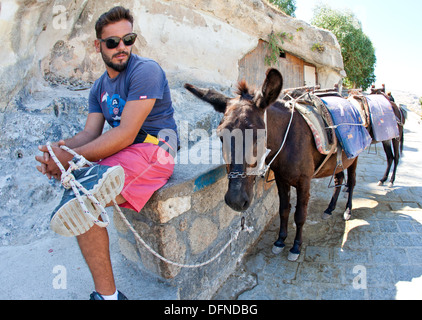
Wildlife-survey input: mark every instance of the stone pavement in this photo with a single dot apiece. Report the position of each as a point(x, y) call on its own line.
point(377, 255)
point(379, 249)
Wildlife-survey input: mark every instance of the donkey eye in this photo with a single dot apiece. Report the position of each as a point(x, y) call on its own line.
point(226, 152)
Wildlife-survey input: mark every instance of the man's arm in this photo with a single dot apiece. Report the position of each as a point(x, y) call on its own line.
point(93, 128)
point(118, 138)
point(94, 146)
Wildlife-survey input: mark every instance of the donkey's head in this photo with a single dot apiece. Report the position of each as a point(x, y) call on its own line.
point(243, 133)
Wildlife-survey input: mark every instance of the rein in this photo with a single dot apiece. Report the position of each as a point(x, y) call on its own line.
point(68, 181)
point(284, 140)
point(262, 167)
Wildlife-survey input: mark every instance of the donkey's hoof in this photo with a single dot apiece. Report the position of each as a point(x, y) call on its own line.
point(380, 183)
point(293, 256)
point(277, 250)
point(347, 215)
point(326, 216)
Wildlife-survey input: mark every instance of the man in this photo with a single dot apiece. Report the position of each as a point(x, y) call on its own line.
point(390, 96)
point(134, 98)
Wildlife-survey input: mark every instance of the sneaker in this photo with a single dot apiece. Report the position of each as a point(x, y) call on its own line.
point(104, 182)
point(96, 296)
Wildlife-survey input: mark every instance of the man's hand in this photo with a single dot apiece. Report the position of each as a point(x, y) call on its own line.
point(47, 165)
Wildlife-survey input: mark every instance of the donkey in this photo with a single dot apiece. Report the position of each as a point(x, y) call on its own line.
point(393, 148)
point(294, 166)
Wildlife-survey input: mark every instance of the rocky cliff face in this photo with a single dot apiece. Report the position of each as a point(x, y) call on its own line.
point(48, 63)
point(52, 41)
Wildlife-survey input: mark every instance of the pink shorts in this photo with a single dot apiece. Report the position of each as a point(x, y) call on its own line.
point(147, 168)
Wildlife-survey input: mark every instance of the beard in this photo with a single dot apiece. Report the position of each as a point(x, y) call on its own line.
point(119, 67)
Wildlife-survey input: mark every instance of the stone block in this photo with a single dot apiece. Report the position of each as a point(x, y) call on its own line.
point(172, 208)
point(202, 234)
point(188, 222)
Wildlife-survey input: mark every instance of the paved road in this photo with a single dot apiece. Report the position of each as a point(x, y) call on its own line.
point(376, 255)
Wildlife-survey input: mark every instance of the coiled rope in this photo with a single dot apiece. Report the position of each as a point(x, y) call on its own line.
point(68, 181)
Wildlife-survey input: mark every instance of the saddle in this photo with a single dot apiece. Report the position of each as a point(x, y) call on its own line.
point(319, 121)
point(379, 115)
point(335, 123)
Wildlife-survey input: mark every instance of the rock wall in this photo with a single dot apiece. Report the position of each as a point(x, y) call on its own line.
point(188, 222)
point(201, 40)
point(48, 63)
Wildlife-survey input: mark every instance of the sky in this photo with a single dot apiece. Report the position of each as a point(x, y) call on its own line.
point(395, 29)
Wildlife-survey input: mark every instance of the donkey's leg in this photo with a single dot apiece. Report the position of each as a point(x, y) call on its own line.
point(338, 181)
point(303, 195)
point(396, 148)
point(351, 182)
point(284, 210)
point(389, 153)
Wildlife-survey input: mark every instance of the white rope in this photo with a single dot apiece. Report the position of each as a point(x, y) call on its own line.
point(69, 181)
point(288, 128)
point(292, 103)
point(139, 239)
point(344, 124)
point(284, 140)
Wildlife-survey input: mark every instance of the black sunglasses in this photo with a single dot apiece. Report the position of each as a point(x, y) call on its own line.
point(113, 42)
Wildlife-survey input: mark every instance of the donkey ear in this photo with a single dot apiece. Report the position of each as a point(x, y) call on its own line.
point(270, 89)
point(217, 100)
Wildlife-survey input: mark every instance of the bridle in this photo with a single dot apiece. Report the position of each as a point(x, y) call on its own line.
point(262, 167)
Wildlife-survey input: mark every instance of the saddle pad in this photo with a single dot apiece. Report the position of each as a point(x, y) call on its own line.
point(317, 126)
point(350, 131)
point(361, 104)
point(383, 119)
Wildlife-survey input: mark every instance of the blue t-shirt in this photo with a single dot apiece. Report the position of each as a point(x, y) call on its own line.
point(142, 79)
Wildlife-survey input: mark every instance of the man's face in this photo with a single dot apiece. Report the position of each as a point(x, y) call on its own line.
point(116, 58)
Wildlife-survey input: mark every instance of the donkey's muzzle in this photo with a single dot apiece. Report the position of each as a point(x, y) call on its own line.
point(238, 201)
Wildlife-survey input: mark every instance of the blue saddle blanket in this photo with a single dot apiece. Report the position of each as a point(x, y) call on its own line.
point(383, 120)
point(350, 131)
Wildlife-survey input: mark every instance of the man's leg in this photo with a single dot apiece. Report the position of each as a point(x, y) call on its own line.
point(94, 245)
point(142, 179)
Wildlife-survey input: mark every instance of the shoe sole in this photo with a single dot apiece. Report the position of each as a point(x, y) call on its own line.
point(70, 220)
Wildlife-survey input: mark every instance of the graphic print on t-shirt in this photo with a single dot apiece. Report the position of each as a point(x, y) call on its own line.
point(115, 106)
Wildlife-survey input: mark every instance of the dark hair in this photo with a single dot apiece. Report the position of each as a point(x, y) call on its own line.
point(115, 14)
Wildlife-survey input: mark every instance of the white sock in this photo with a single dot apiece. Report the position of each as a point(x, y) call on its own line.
point(112, 297)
